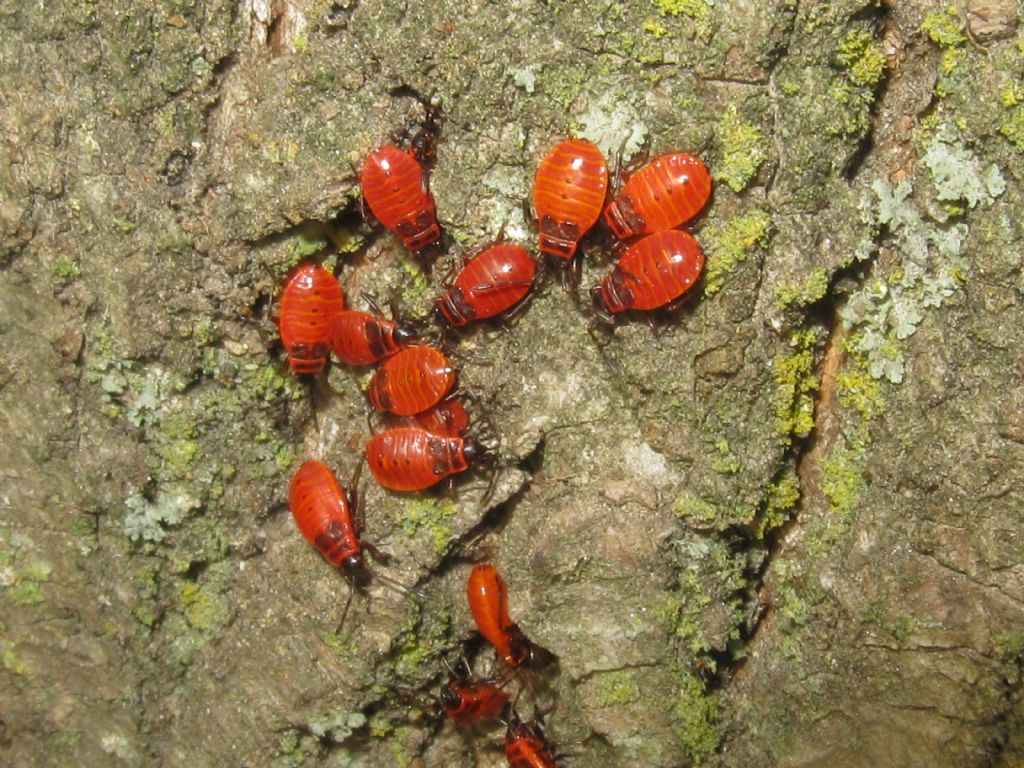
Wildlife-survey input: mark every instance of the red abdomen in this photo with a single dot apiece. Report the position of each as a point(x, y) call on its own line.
point(322, 514)
point(467, 702)
point(449, 417)
point(525, 747)
point(395, 187)
point(669, 190)
point(487, 595)
point(568, 195)
point(411, 459)
point(411, 381)
point(358, 338)
point(311, 298)
point(491, 283)
point(653, 272)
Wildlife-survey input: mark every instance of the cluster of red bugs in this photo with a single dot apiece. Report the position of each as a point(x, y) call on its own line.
point(657, 265)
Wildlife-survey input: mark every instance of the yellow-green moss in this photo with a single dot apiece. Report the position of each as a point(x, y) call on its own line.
point(857, 389)
point(204, 608)
point(698, 10)
point(435, 515)
point(11, 662)
point(695, 510)
point(841, 479)
point(617, 689)
point(795, 383)
point(945, 27)
point(862, 58)
point(780, 499)
point(725, 462)
point(730, 244)
point(695, 713)
point(655, 28)
point(743, 150)
point(814, 287)
point(64, 267)
point(1012, 128)
point(22, 584)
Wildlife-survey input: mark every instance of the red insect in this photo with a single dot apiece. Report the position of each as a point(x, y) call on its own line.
point(411, 381)
point(311, 298)
point(490, 283)
point(411, 458)
point(653, 272)
point(568, 195)
point(395, 187)
point(358, 338)
point(668, 191)
point(449, 417)
point(324, 516)
point(526, 746)
point(467, 702)
point(488, 602)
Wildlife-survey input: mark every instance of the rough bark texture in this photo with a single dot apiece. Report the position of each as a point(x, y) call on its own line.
point(782, 531)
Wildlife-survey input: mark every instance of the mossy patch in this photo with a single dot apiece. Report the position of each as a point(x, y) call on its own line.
point(812, 289)
point(695, 714)
point(796, 383)
point(698, 10)
point(743, 149)
point(617, 689)
point(731, 243)
point(433, 515)
point(862, 58)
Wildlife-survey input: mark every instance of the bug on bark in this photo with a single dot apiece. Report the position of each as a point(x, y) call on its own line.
point(666, 192)
point(654, 272)
point(490, 284)
point(413, 459)
point(568, 195)
point(311, 298)
point(487, 595)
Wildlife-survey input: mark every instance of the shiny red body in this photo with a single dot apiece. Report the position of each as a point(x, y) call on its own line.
point(568, 195)
point(526, 746)
point(358, 338)
point(323, 515)
point(411, 381)
point(394, 186)
point(411, 458)
point(311, 298)
point(466, 702)
point(490, 283)
point(654, 271)
point(449, 417)
point(487, 595)
point(668, 191)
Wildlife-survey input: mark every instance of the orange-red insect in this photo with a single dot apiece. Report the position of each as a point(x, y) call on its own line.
point(487, 595)
point(411, 381)
point(490, 283)
point(449, 417)
point(411, 458)
point(468, 702)
point(323, 515)
point(358, 338)
point(568, 195)
point(526, 746)
point(669, 190)
point(394, 186)
point(311, 298)
point(653, 272)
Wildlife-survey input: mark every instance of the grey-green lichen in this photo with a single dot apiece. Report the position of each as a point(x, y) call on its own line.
point(617, 688)
point(932, 265)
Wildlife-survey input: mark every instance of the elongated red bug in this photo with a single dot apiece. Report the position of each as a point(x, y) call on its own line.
point(487, 595)
point(449, 417)
point(411, 381)
point(668, 191)
point(324, 517)
point(411, 458)
point(526, 746)
point(492, 282)
point(568, 195)
point(358, 338)
point(395, 188)
point(654, 271)
point(311, 298)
